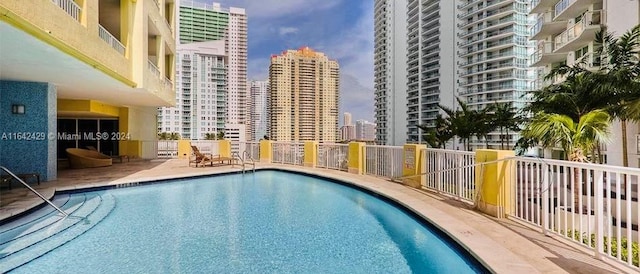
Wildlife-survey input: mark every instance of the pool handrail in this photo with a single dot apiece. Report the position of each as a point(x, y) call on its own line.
point(34, 191)
point(248, 157)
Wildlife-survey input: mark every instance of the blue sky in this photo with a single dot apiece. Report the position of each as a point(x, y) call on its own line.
point(342, 29)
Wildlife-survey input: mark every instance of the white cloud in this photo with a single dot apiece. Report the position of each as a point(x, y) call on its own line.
point(287, 30)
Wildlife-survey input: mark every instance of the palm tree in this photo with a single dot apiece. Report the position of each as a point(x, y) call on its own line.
point(209, 136)
point(620, 72)
point(174, 136)
point(221, 135)
point(439, 135)
point(575, 139)
point(163, 136)
point(462, 122)
point(505, 117)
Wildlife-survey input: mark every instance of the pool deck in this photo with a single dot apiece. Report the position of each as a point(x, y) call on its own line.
point(502, 244)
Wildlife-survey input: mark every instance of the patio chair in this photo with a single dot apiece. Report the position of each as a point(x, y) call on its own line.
point(199, 158)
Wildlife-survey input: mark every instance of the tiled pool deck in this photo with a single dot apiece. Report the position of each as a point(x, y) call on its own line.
point(504, 245)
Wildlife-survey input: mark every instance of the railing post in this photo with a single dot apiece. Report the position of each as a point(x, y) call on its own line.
point(265, 151)
point(460, 179)
point(355, 157)
point(412, 165)
point(494, 182)
point(310, 153)
point(599, 215)
point(545, 199)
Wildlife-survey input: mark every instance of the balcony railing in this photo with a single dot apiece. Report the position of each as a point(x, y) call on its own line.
point(168, 83)
point(153, 68)
point(70, 7)
point(110, 39)
point(573, 32)
point(562, 5)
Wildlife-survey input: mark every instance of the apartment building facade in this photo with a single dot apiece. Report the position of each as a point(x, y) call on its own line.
point(259, 100)
point(565, 33)
point(493, 59)
point(200, 22)
point(304, 93)
point(82, 69)
point(390, 71)
point(201, 91)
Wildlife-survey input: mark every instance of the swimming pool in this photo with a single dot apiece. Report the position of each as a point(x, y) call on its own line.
point(269, 221)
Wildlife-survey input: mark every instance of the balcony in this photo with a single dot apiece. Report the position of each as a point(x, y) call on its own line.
point(70, 7)
point(540, 6)
point(545, 55)
point(567, 9)
point(111, 40)
point(580, 33)
point(546, 26)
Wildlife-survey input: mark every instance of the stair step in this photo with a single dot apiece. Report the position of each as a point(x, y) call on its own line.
point(35, 223)
point(96, 208)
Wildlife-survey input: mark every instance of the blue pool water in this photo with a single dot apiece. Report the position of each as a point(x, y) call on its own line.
point(270, 221)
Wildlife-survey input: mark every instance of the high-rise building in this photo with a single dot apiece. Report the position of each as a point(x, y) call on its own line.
point(200, 22)
point(365, 130)
point(493, 52)
point(304, 93)
point(70, 68)
point(348, 130)
point(474, 50)
point(390, 71)
point(201, 99)
point(347, 119)
point(431, 63)
point(565, 33)
point(259, 121)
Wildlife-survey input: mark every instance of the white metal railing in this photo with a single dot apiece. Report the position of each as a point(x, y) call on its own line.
point(153, 68)
point(593, 205)
point(333, 156)
point(167, 149)
point(252, 149)
point(383, 161)
point(450, 172)
point(70, 7)
point(110, 39)
point(588, 19)
point(288, 153)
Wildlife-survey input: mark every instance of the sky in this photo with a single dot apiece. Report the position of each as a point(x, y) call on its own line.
point(342, 29)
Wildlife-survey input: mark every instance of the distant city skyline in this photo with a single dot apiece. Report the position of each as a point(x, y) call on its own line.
point(275, 26)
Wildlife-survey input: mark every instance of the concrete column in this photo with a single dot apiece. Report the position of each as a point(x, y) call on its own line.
point(224, 148)
point(265, 151)
point(310, 153)
point(412, 165)
point(495, 182)
point(184, 149)
point(356, 157)
point(28, 141)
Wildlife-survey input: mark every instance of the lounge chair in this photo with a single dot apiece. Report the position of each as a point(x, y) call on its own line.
point(83, 158)
point(198, 157)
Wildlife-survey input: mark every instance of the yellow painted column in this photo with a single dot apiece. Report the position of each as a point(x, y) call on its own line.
point(310, 153)
point(265, 151)
point(224, 148)
point(184, 149)
point(412, 165)
point(132, 148)
point(356, 157)
point(495, 182)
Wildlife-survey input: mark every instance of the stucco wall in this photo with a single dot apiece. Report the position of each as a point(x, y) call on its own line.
point(27, 141)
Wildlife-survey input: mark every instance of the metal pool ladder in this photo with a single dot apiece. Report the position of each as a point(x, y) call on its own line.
point(34, 191)
point(250, 161)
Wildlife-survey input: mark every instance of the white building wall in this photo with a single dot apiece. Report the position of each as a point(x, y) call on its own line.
point(259, 119)
point(390, 18)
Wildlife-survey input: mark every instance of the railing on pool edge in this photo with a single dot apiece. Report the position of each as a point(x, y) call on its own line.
point(65, 214)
